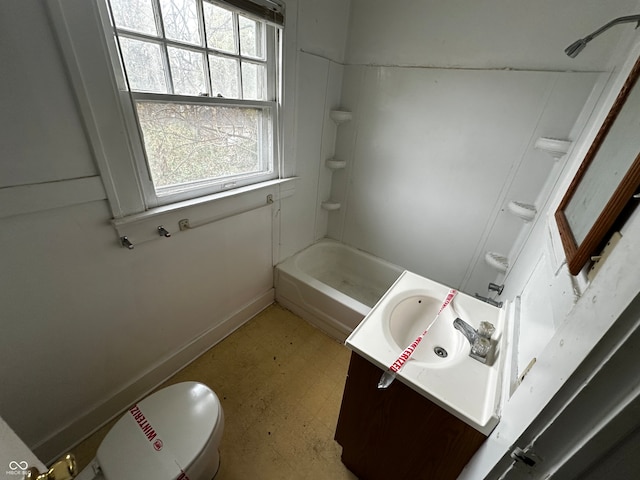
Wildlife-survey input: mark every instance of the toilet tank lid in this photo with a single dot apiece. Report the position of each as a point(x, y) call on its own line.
point(161, 436)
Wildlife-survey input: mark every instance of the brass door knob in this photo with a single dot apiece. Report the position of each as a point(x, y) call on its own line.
point(65, 469)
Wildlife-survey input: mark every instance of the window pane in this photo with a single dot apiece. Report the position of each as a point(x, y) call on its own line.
point(143, 62)
point(187, 71)
point(180, 20)
point(224, 77)
point(193, 143)
point(134, 15)
point(250, 37)
point(252, 81)
point(219, 27)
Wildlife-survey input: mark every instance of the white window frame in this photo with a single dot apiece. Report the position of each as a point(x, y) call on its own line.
point(155, 197)
point(108, 111)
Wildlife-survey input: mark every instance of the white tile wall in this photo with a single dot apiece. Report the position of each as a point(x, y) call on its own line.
point(436, 154)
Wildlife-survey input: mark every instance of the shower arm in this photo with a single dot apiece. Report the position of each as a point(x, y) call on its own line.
point(576, 47)
point(627, 19)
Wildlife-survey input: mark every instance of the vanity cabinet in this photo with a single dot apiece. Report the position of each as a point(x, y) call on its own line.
point(398, 433)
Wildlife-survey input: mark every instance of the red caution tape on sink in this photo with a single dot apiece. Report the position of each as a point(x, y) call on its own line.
point(388, 376)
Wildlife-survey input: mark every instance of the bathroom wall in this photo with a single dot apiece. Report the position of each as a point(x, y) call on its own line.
point(83, 319)
point(493, 34)
point(448, 102)
point(88, 326)
point(437, 156)
point(322, 35)
point(539, 276)
point(563, 318)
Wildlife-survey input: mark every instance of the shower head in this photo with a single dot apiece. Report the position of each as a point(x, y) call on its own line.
point(576, 47)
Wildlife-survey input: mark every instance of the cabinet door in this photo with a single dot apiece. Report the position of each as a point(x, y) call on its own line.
point(397, 433)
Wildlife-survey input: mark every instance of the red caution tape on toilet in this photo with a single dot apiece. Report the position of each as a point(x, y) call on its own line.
point(149, 431)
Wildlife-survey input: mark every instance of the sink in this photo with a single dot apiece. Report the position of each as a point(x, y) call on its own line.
point(463, 386)
point(408, 317)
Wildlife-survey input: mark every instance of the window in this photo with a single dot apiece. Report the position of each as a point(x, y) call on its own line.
point(202, 83)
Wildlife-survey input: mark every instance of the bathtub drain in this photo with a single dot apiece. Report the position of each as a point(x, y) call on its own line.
point(441, 352)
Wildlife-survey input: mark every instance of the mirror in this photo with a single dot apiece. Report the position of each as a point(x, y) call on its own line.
point(606, 181)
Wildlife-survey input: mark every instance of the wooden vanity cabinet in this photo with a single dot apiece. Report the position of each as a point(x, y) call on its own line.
point(398, 433)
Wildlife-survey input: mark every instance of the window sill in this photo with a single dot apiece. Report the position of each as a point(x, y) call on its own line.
point(190, 214)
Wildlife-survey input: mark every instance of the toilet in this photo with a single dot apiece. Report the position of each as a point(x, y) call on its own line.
point(173, 434)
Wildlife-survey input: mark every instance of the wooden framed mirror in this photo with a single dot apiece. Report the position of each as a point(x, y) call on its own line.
point(606, 181)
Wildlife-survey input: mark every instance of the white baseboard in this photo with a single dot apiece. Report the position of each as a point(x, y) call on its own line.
point(63, 441)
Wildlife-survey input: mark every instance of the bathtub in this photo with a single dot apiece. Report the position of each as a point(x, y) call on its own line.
point(332, 285)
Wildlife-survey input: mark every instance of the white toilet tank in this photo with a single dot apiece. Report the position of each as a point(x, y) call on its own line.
point(173, 434)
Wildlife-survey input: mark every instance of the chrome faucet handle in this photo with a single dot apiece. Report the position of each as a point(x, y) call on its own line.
point(65, 469)
point(480, 349)
point(486, 330)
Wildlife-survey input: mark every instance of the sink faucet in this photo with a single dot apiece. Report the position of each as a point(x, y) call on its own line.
point(480, 339)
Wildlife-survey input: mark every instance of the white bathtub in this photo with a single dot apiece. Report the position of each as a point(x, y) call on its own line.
point(333, 285)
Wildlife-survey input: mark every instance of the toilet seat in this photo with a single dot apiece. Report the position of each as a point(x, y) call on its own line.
point(171, 435)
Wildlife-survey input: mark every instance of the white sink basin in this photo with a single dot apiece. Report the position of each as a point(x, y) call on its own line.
point(458, 383)
point(410, 315)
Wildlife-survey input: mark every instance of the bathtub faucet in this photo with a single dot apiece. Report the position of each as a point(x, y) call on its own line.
point(490, 301)
point(480, 340)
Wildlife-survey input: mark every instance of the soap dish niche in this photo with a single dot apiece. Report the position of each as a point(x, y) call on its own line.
point(335, 164)
point(497, 261)
point(331, 206)
point(340, 116)
point(523, 210)
point(555, 147)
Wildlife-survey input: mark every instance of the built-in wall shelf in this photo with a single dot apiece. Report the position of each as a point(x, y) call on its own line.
point(340, 116)
point(523, 210)
point(497, 261)
point(555, 147)
point(331, 206)
point(335, 164)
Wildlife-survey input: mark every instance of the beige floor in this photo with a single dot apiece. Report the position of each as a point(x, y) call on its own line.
point(280, 382)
